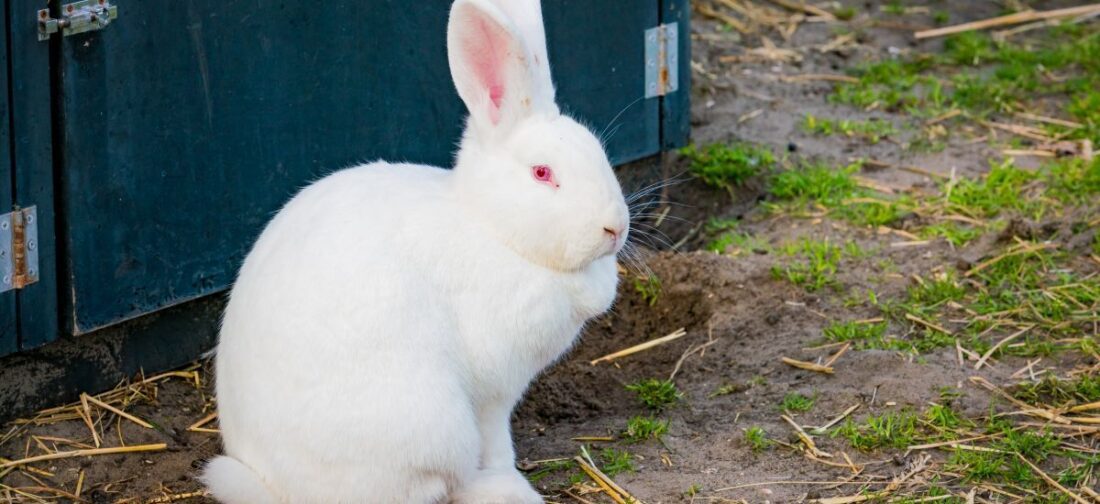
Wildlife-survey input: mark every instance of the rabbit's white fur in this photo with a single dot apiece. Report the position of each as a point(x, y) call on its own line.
point(390, 317)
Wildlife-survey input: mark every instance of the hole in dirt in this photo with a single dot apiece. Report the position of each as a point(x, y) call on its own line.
point(575, 390)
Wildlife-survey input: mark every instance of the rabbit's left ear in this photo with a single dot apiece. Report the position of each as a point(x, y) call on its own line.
point(492, 67)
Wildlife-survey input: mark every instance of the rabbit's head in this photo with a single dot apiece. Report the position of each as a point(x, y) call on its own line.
point(537, 178)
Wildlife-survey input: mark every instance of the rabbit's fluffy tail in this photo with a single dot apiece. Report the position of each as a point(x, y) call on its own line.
point(231, 482)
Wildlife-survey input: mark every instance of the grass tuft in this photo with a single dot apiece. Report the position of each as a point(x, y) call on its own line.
point(726, 166)
point(641, 428)
point(656, 394)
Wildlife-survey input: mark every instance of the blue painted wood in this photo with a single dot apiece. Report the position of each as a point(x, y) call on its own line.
point(33, 161)
point(187, 124)
point(9, 337)
point(676, 107)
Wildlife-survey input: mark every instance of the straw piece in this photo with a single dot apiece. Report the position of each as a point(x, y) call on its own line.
point(818, 77)
point(677, 334)
point(1011, 19)
point(808, 366)
point(203, 421)
point(86, 415)
point(1050, 120)
point(1024, 131)
point(930, 325)
point(593, 438)
point(943, 117)
point(838, 419)
point(1085, 407)
point(832, 360)
point(989, 353)
point(117, 411)
point(85, 453)
point(177, 497)
point(594, 474)
point(805, 438)
point(1029, 152)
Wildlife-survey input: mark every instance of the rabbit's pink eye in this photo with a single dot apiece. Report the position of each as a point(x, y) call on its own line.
point(544, 174)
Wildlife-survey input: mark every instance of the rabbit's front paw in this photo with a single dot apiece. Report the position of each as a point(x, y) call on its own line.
point(492, 487)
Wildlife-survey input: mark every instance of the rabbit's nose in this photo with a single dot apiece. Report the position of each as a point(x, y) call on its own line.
point(614, 233)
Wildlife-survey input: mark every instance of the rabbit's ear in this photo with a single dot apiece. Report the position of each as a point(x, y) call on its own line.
point(526, 15)
point(491, 66)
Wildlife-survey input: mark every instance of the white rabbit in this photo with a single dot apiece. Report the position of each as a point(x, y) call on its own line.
point(390, 317)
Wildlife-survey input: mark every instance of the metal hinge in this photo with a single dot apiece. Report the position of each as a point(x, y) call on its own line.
point(77, 17)
point(18, 249)
point(662, 68)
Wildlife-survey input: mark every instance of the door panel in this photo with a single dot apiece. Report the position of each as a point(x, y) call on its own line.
point(32, 158)
point(9, 337)
point(186, 124)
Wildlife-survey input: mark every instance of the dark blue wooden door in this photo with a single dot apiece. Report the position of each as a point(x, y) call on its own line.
point(186, 124)
point(9, 335)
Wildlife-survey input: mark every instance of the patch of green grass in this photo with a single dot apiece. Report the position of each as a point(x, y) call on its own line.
point(864, 335)
point(693, 490)
point(737, 243)
point(656, 394)
point(1002, 465)
point(985, 76)
point(955, 233)
point(1073, 180)
point(815, 183)
point(757, 439)
point(548, 468)
point(871, 130)
point(845, 13)
point(895, 430)
point(931, 293)
point(817, 268)
point(941, 17)
point(834, 189)
point(616, 462)
point(726, 389)
point(890, 84)
point(1083, 389)
point(797, 403)
point(641, 428)
point(758, 381)
point(726, 166)
point(969, 49)
point(894, 7)
point(942, 417)
point(999, 190)
point(649, 288)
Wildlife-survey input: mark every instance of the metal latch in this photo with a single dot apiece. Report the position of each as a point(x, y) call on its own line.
point(662, 69)
point(18, 249)
point(77, 17)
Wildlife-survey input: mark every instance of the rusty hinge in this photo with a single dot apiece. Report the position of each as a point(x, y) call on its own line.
point(18, 249)
point(662, 66)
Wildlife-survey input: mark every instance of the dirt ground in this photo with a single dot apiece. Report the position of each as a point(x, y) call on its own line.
point(740, 319)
